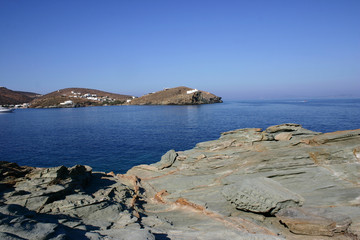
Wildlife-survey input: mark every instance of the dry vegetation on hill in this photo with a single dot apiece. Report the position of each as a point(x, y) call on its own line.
point(80, 97)
point(177, 96)
point(10, 97)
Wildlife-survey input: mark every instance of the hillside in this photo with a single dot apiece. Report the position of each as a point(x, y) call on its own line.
point(78, 97)
point(29, 94)
point(10, 97)
point(177, 96)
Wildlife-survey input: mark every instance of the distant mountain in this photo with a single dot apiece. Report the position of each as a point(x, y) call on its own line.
point(79, 97)
point(177, 96)
point(10, 97)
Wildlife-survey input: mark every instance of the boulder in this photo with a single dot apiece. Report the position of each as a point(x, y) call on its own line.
point(260, 195)
point(167, 159)
point(314, 221)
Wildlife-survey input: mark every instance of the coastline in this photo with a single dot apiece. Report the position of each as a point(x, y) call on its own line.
point(289, 173)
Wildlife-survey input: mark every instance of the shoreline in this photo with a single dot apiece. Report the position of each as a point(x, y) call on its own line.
point(248, 183)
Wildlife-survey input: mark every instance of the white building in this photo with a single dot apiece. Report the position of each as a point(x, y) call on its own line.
point(191, 91)
point(68, 102)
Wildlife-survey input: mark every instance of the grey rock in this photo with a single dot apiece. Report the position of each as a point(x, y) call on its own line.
point(43, 186)
point(9, 236)
point(24, 228)
point(220, 234)
point(127, 234)
point(243, 135)
point(167, 159)
point(260, 195)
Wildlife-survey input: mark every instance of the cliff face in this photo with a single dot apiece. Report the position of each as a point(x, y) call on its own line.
point(285, 182)
point(177, 96)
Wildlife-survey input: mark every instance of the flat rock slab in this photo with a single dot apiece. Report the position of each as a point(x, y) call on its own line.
point(314, 221)
point(286, 127)
point(260, 195)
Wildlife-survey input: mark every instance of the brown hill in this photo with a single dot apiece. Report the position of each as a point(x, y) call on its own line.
point(78, 97)
point(10, 97)
point(29, 94)
point(177, 96)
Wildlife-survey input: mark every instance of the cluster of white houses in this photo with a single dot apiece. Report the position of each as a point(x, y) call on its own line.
point(89, 96)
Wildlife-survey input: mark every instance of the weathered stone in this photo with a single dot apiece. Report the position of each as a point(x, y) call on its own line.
point(286, 127)
point(336, 136)
point(247, 135)
point(127, 234)
point(10, 173)
point(283, 136)
point(167, 159)
point(260, 195)
point(181, 157)
point(314, 221)
point(25, 228)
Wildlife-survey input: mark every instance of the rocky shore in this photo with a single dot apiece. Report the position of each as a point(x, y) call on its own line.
point(285, 182)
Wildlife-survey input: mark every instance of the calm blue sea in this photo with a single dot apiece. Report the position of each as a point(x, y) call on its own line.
point(119, 137)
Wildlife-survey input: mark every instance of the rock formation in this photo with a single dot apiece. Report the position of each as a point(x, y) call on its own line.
point(285, 182)
point(177, 96)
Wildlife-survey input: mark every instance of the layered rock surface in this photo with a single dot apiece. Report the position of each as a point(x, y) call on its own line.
point(285, 182)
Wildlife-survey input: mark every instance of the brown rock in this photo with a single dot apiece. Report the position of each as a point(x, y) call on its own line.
point(284, 136)
point(286, 127)
point(10, 173)
point(201, 156)
point(314, 221)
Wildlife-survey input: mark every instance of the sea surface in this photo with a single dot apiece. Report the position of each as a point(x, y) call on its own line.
point(117, 138)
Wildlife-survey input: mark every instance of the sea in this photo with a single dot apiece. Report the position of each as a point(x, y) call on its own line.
point(116, 138)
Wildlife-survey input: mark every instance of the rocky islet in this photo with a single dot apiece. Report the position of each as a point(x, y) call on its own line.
point(285, 182)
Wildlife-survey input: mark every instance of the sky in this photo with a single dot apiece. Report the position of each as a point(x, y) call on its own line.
point(236, 49)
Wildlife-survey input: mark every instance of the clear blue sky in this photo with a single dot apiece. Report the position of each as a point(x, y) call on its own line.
point(235, 49)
